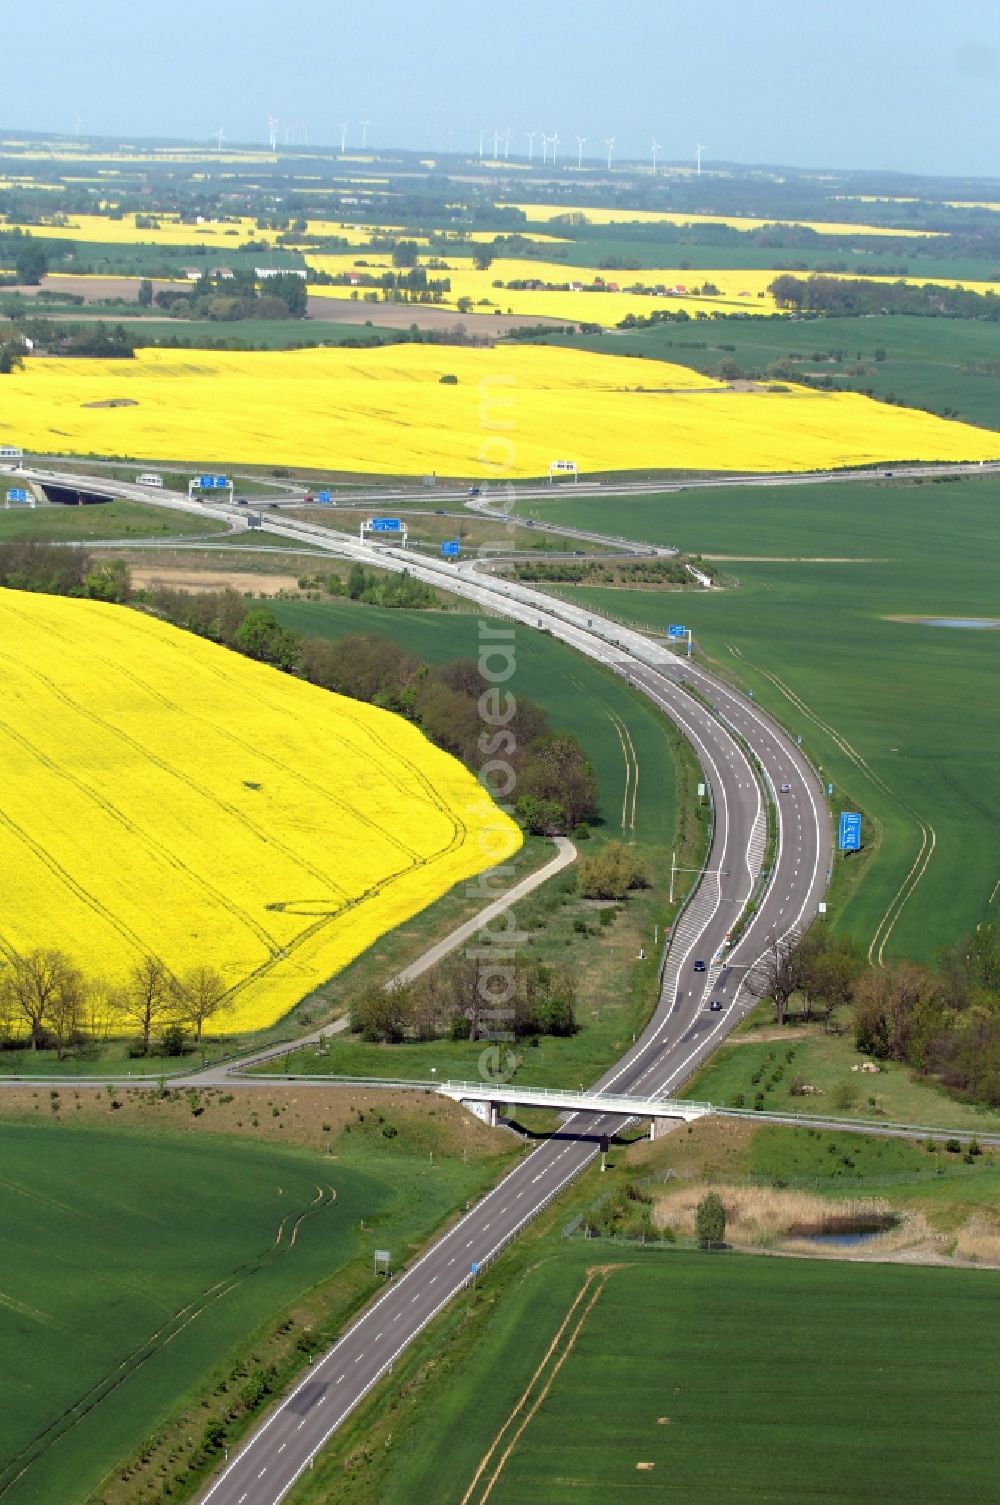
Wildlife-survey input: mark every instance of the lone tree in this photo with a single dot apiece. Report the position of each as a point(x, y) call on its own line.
point(201, 993)
point(148, 999)
point(778, 974)
point(710, 1221)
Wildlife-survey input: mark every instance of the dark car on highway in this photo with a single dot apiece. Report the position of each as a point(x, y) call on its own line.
point(699, 966)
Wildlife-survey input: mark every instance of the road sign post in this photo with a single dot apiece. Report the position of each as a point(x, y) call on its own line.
point(451, 548)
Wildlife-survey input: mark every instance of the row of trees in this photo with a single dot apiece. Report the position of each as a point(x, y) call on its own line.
point(47, 1000)
point(467, 998)
point(846, 296)
point(30, 565)
point(942, 1021)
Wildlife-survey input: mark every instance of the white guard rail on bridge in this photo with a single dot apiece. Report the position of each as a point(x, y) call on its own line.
point(575, 1102)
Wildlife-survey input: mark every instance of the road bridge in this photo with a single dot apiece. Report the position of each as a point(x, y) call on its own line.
point(608, 1104)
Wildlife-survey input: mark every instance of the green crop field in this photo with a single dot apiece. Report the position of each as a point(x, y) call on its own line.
point(709, 1378)
point(926, 363)
point(101, 520)
point(136, 1264)
point(903, 718)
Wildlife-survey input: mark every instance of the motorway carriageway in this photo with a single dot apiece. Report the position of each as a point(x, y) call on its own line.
point(743, 754)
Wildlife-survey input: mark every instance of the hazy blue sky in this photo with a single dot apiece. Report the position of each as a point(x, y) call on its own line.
point(901, 84)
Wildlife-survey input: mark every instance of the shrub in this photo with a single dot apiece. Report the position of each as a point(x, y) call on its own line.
point(710, 1221)
point(612, 872)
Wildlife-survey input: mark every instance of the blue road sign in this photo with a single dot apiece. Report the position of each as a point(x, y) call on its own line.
point(849, 836)
point(676, 631)
point(206, 482)
point(451, 548)
point(474, 1270)
point(829, 788)
point(385, 525)
point(324, 497)
point(221, 482)
point(17, 494)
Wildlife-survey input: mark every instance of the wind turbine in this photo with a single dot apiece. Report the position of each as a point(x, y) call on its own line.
point(272, 132)
point(531, 144)
point(343, 136)
point(555, 144)
point(482, 139)
point(697, 155)
point(364, 133)
point(220, 136)
point(655, 148)
point(580, 143)
point(506, 143)
point(609, 142)
point(496, 143)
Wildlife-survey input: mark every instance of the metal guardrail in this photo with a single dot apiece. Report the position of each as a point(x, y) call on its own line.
point(858, 1125)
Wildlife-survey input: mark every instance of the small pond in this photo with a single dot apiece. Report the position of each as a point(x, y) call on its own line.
point(845, 1231)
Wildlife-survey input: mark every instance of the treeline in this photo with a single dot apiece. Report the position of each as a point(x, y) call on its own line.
point(454, 1002)
point(99, 340)
point(238, 294)
point(48, 1002)
point(30, 565)
point(389, 590)
point(841, 297)
point(941, 1021)
point(626, 571)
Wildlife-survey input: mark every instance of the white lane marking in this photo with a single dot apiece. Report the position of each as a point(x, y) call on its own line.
point(282, 1447)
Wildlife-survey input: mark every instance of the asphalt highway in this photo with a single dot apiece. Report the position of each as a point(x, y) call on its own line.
point(731, 737)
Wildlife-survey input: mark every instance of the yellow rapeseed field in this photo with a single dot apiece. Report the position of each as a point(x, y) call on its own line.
point(511, 410)
point(541, 214)
point(169, 231)
point(164, 795)
point(731, 291)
